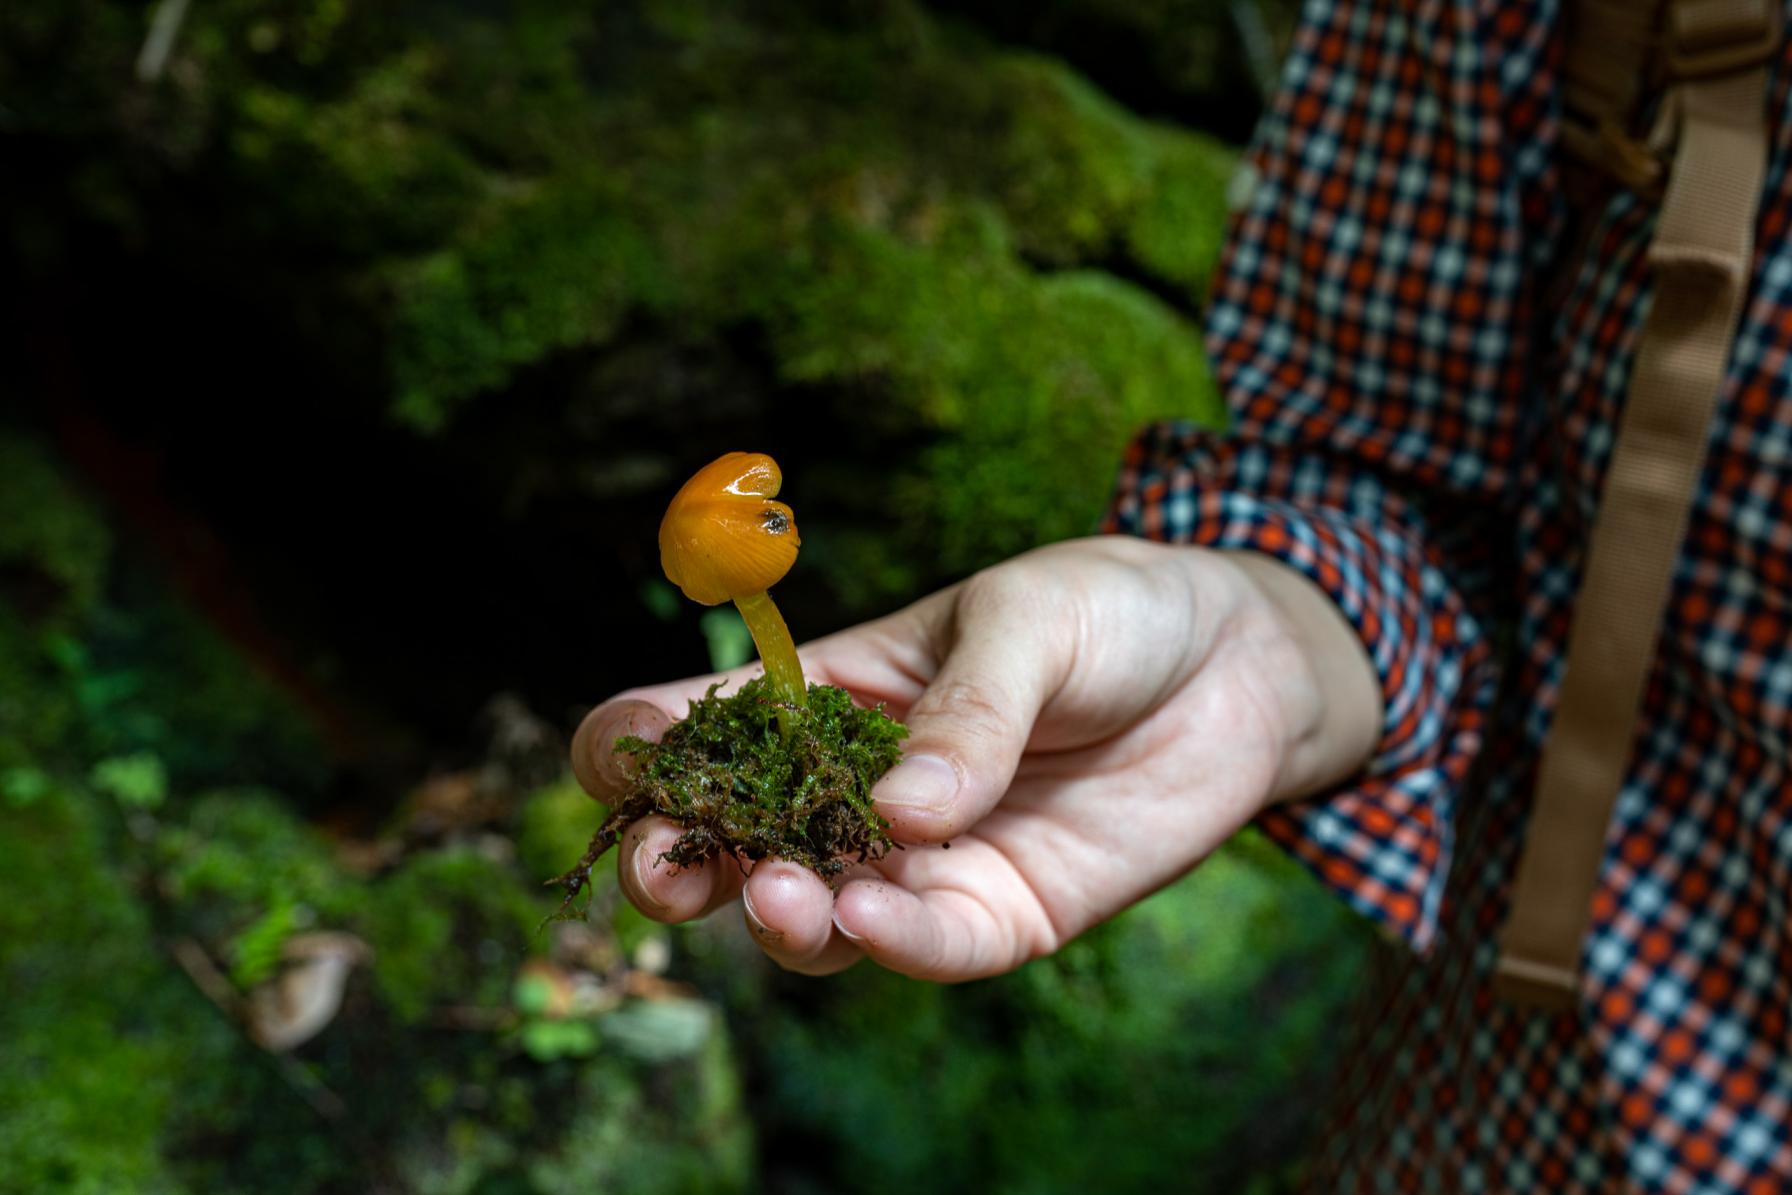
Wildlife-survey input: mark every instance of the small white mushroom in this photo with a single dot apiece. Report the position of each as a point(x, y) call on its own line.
point(296, 1005)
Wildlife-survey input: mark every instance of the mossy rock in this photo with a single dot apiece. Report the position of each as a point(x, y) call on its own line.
point(903, 232)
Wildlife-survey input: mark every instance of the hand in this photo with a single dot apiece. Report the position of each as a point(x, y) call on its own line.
point(1087, 722)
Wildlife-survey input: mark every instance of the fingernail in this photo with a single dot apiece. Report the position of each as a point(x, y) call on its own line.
point(619, 767)
point(919, 782)
point(643, 870)
point(855, 939)
point(758, 927)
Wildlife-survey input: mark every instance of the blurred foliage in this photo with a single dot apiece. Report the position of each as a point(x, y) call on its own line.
point(1180, 1040)
point(437, 924)
point(928, 238)
point(1196, 62)
point(929, 253)
point(53, 557)
point(236, 855)
point(137, 780)
point(1165, 1048)
point(109, 665)
point(91, 1078)
point(49, 542)
point(122, 1076)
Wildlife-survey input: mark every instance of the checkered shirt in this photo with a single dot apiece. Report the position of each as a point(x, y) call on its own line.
point(1422, 432)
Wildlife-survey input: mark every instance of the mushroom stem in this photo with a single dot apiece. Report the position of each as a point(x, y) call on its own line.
point(777, 653)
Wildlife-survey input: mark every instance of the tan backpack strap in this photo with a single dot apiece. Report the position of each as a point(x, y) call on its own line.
point(1701, 256)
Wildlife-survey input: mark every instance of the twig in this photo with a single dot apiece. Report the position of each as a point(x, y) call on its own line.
point(205, 975)
point(158, 43)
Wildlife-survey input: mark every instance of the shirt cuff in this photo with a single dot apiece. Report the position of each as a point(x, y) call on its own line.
point(1383, 839)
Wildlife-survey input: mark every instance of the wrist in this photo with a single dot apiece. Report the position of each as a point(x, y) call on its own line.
point(1320, 675)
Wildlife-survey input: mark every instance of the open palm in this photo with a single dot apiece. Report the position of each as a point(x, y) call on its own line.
point(1087, 722)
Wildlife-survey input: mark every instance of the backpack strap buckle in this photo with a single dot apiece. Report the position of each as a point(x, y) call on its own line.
point(1709, 38)
point(1615, 154)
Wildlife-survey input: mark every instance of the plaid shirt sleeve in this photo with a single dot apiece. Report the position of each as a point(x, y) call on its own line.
point(1370, 331)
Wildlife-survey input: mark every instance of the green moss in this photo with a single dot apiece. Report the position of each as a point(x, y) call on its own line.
point(932, 226)
point(238, 856)
point(539, 273)
point(1177, 228)
point(153, 676)
point(117, 707)
point(136, 781)
point(1029, 384)
point(98, 1028)
point(395, 177)
point(742, 788)
point(450, 927)
point(894, 221)
point(48, 532)
point(1076, 163)
point(963, 269)
point(54, 556)
point(687, 1131)
point(555, 821)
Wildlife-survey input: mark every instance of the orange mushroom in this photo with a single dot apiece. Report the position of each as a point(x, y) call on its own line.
point(724, 538)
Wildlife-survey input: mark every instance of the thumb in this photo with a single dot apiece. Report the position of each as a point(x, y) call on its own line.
point(969, 727)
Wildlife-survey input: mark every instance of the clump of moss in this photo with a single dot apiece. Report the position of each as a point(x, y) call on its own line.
point(743, 787)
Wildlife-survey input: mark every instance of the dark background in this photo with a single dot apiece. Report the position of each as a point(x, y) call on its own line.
point(360, 346)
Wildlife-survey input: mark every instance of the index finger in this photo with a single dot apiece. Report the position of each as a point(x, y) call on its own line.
point(600, 771)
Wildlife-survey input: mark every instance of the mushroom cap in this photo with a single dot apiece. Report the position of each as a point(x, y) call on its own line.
point(723, 537)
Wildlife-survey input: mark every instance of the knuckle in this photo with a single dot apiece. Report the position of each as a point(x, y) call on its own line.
point(968, 709)
point(1006, 590)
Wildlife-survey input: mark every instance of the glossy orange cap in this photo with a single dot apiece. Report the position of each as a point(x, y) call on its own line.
point(723, 537)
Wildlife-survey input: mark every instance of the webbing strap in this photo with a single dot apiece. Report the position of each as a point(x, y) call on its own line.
point(1701, 259)
point(1605, 67)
